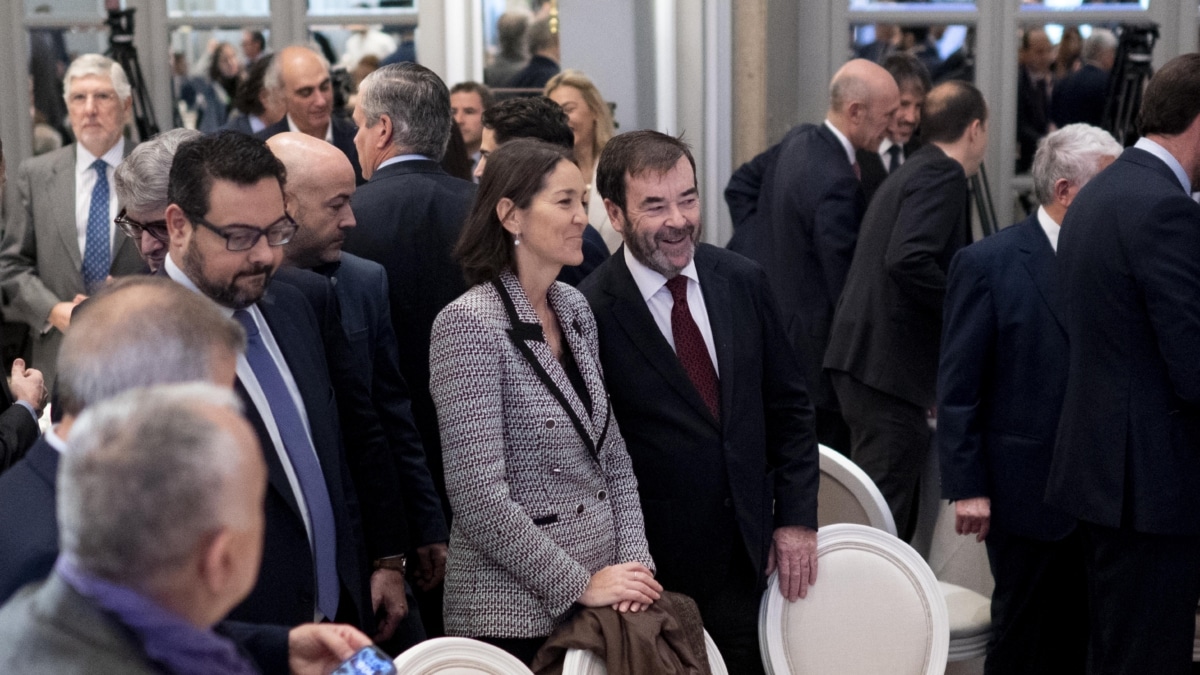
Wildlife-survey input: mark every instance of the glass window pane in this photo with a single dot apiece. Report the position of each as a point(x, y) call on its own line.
point(347, 45)
point(930, 5)
point(42, 9)
point(184, 8)
point(367, 7)
point(946, 51)
point(209, 67)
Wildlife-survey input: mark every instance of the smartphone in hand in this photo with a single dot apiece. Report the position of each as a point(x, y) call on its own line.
point(369, 660)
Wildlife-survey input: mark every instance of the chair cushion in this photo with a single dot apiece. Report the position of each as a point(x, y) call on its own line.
point(970, 612)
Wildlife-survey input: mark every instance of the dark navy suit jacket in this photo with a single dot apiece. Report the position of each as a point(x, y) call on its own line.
point(28, 523)
point(802, 228)
point(343, 139)
point(707, 486)
point(1128, 447)
point(1001, 378)
point(1080, 97)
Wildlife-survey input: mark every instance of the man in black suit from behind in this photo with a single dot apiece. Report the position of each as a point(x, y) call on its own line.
point(1081, 96)
point(912, 77)
point(1127, 458)
point(300, 76)
point(709, 395)
point(319, 189)
point(1001, 379)
point(883, 345)
point(409, 215)
point(799, 205)
point(227, 226)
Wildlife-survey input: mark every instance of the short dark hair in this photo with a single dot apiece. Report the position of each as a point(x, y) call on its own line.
point(950, 108)
point(225, 155)
point(518, 171)
point(247, 98)
point(529, 117)
point(908, 70)
point(632, 154)
point(258, 38)
point(1172, 99)
point(485, 92)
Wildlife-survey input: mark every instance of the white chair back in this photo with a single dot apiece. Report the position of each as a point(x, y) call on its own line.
point(848, 495)
point(583, 662)
point(458, 656)
point(876, 608)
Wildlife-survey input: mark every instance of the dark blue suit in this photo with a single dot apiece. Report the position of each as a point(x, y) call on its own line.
point(1001, 379)
point(1127, 457)
point(28, 523)
point(712, 491)
point(801, 205)
point(1080, 97)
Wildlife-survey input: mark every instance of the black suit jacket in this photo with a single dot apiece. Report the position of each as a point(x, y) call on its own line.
point(1001, 378)
point(1128, 447)
point(362, 291)
point(1080, 97)
point(409, 216)
point(887, 328)
point(870, 164)
point(1033, 116)
point(28, 523)
point(285, 592)
point(802, 230)
point(343, 139)
point(708, 486)
point(535, 74)
point(18, 430)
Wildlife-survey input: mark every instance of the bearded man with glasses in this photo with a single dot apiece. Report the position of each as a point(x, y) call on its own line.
point(227, 226)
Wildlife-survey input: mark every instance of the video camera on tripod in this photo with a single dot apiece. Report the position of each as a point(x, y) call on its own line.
point(121, 50)
point(1132, 68)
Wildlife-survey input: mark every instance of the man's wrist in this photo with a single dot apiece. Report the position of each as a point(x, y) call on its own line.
point(396, 563)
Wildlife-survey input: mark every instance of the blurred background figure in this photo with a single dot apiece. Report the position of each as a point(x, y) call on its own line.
point(1082, 95)
point(256, 107)
point(365, 41)
point(882, 46)
point(510, 29)
point(1034, 89)
point(1067, 56)
point(468, 102)
point(544, 58)
point(591, 121)
point(254, 46)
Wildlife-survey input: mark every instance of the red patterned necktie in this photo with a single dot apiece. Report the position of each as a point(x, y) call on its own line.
point(857, 170)
point(690, 347)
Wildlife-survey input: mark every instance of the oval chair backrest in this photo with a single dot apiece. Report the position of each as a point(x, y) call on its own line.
point(875, 608)
point(848, 495)
point(458, 656)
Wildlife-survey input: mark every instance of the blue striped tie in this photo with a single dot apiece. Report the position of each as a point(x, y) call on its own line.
point(96, 258)
point(304, 462)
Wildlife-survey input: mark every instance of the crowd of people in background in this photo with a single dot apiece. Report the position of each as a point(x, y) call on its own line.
point(409, 360)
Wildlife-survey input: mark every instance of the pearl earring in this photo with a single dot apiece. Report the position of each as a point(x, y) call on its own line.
point(516, 240)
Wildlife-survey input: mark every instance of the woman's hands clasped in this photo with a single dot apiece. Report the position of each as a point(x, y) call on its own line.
point(628, 587)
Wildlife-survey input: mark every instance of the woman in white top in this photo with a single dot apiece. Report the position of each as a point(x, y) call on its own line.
point(591, 121)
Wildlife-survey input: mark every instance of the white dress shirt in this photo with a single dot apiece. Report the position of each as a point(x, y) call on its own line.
point(653, 287)
point(250, 382)
point(54, 440)
point(887, 159)
point(846, 144)
point(1050, 227)
point(328, 129)
point(85, 182)
point(1170, 160)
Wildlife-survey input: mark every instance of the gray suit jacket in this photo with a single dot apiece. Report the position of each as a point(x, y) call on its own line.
point(50, 629)
point(40, 261)
point(540, 504)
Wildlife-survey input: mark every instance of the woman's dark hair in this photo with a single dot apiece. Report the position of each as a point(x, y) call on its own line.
point(516, 170)
point(248, 101)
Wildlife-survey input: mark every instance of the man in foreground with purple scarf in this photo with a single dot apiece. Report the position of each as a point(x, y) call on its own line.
point(161, 526)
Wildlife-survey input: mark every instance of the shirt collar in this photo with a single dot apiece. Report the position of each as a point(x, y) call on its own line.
point(410, 157)
point(328, 129)
point(885, 146)
point(54, 440)
point(1166, 156)
point(166, 638)
point(650, 281)
point(85, 159)
point(846, 144)
point(1050, 227)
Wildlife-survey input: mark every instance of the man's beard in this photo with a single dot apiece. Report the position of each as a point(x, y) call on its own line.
point(644, 247)
point(229, 295)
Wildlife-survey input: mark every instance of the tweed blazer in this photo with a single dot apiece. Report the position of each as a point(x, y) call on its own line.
point(540, 503)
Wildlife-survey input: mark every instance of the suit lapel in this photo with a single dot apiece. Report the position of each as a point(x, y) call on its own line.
point(1038, 257)
point(715, 288)
point(276, 476)
point(634, 317)
point(572, 330)
point(62, 182)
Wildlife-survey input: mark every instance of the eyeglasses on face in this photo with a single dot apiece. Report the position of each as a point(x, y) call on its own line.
point(134, 229)
point(245, 237)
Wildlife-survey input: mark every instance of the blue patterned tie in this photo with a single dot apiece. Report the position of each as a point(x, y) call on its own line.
point(304, 462)
point(96, 247)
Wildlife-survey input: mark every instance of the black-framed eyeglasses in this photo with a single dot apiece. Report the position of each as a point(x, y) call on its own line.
point(134, 229)
point(245, 237)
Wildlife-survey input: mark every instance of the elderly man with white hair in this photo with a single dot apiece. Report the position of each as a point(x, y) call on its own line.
point(59, 244)
point(141, 182)
point(1001, 382)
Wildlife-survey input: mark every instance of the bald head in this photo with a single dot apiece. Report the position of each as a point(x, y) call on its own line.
point(319, 186)
point(301, 76)
point(863, 97)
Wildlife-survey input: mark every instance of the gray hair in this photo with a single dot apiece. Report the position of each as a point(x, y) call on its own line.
point(273, 78)
point(142, 481)
point(100, 66)
point(1101, 40)
point(141, 180)
point(1073, 152)
point(141, 331)
point(417, 102)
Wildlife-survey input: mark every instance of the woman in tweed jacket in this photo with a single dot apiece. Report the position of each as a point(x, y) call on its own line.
point(545, 503)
